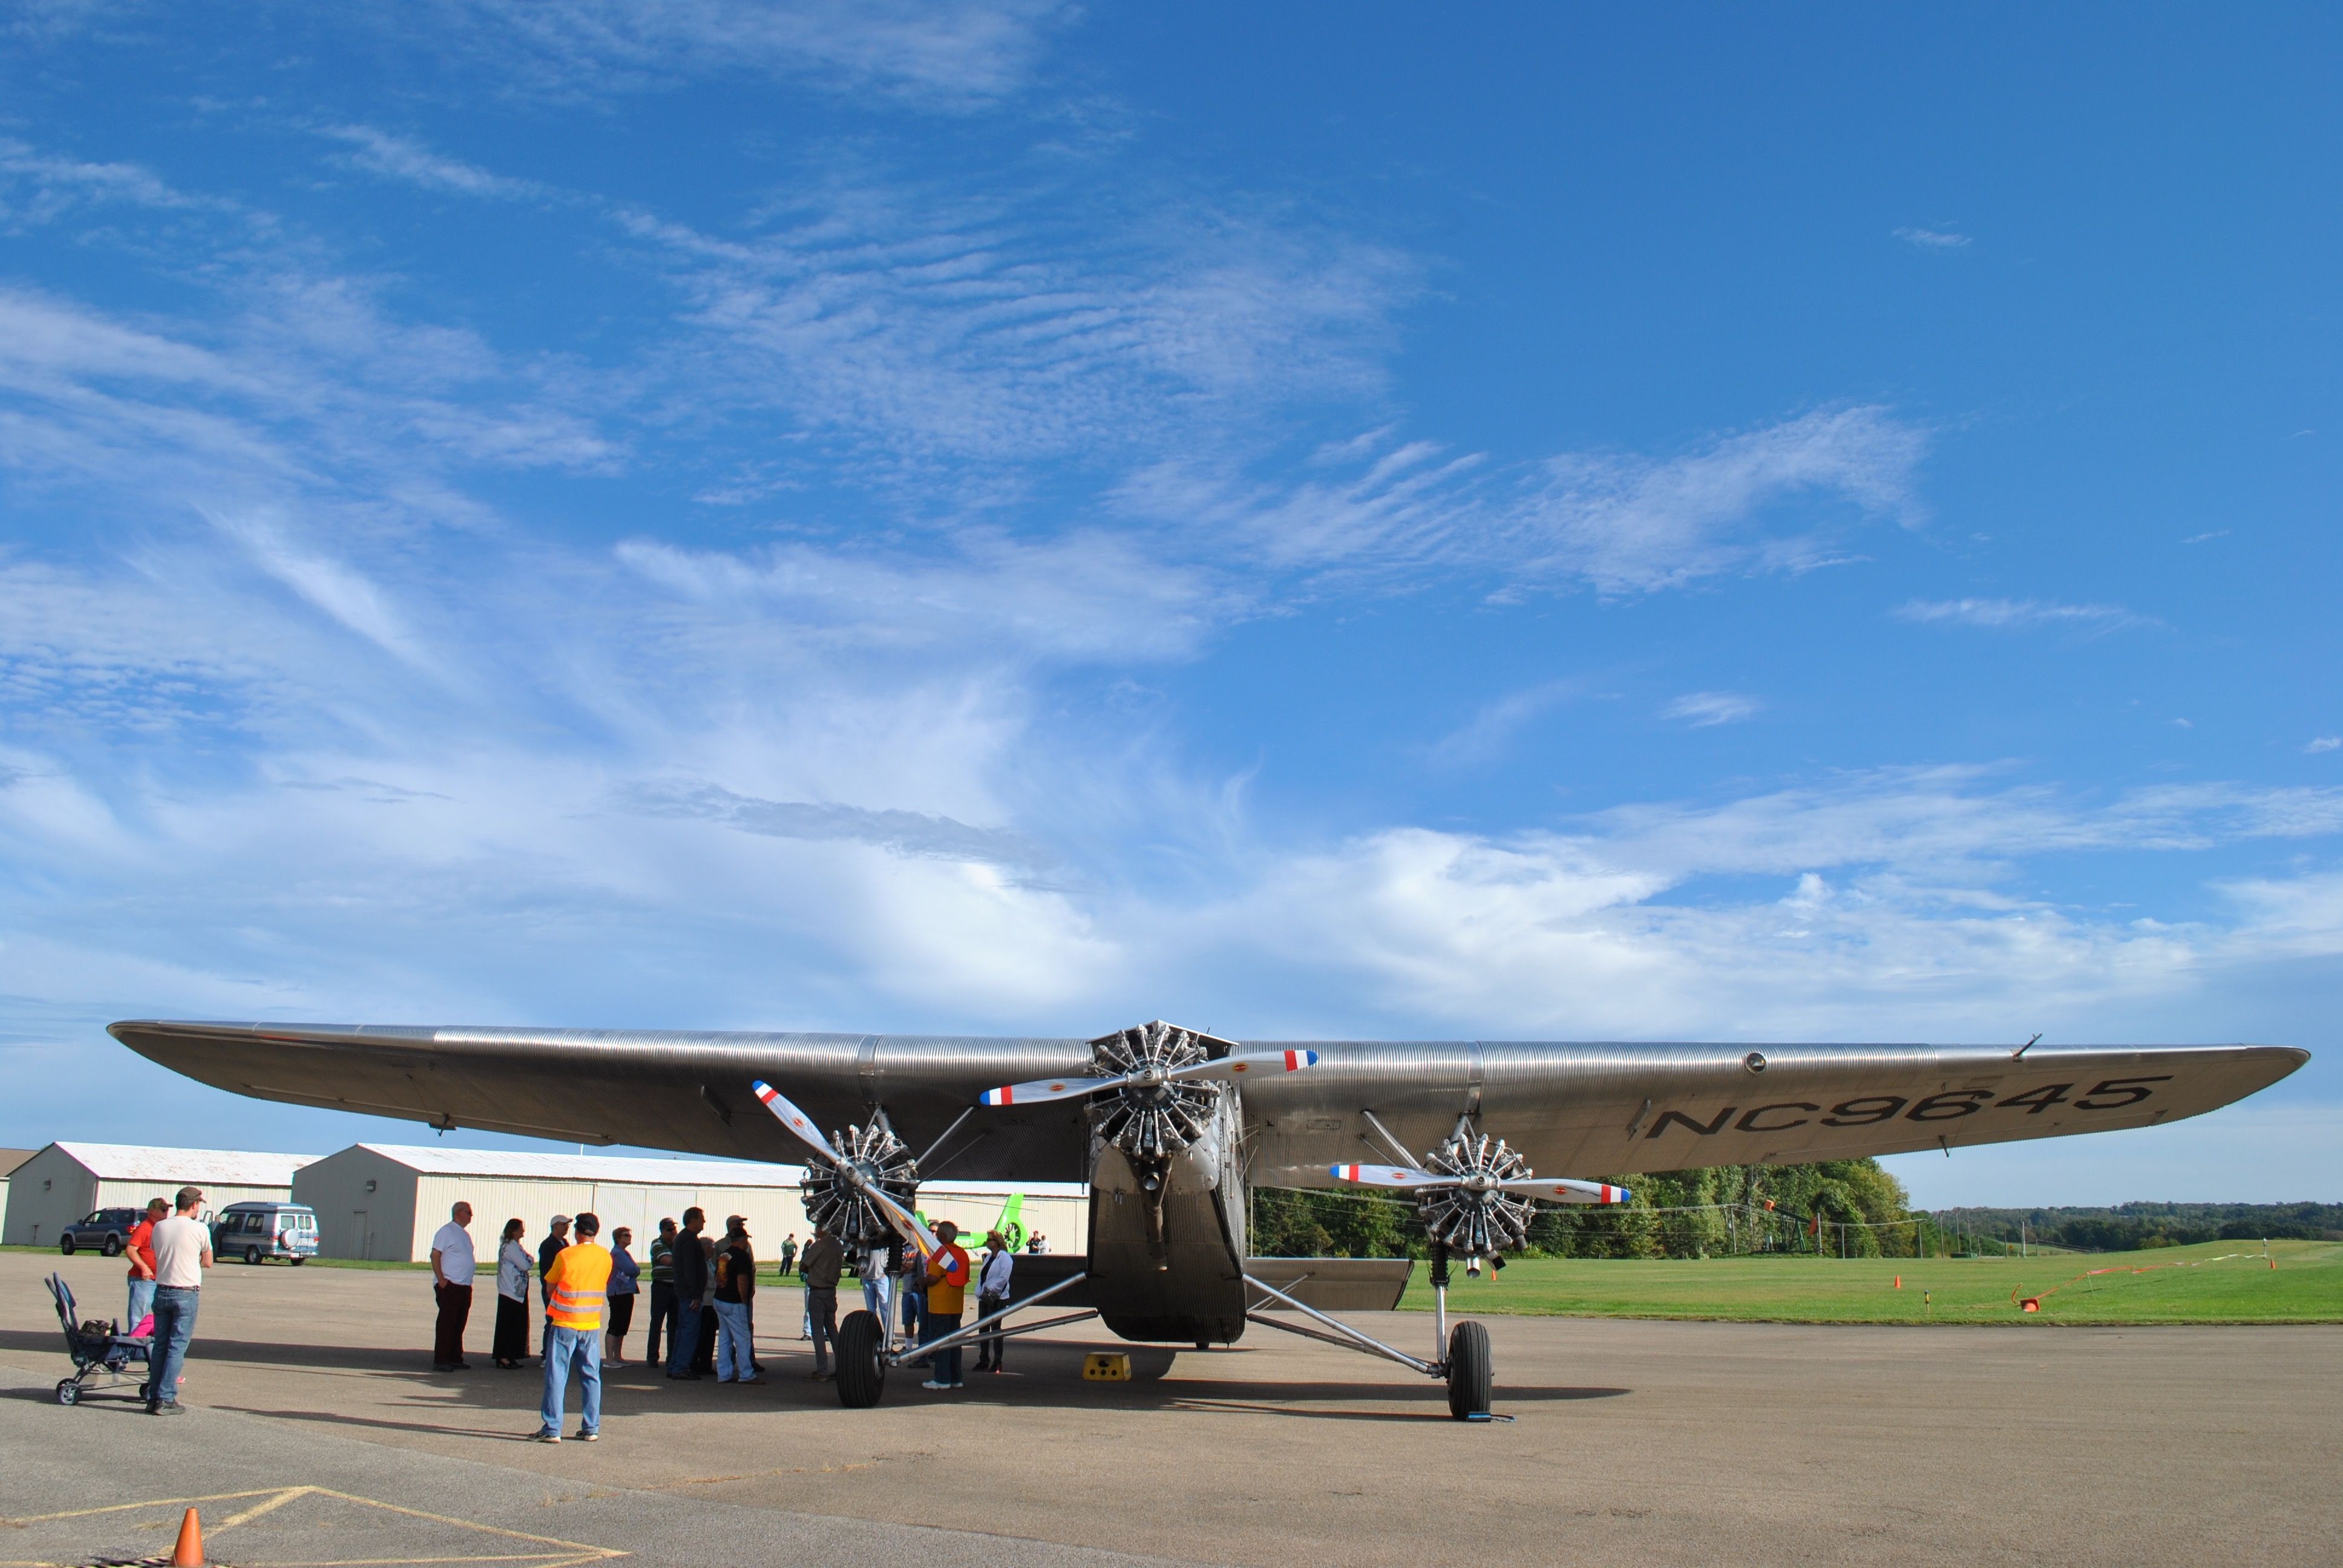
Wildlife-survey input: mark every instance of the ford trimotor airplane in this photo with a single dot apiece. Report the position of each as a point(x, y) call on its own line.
point(1169, 1127)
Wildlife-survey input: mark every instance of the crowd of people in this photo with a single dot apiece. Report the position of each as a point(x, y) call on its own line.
point(703, 1299)
point(703, 1302)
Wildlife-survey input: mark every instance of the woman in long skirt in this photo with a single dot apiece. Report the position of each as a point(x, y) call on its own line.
point(513, 1264)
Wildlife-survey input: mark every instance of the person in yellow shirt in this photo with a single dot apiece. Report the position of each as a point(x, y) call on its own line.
point(947, 1293)
point(576, 1288)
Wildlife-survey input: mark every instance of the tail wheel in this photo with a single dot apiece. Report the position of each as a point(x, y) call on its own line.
point(1470, 1374)
point(861, 1361)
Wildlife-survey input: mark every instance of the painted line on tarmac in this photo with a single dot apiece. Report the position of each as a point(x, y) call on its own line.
point(565, 1553)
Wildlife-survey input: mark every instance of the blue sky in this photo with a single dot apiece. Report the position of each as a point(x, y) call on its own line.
point(997, 516)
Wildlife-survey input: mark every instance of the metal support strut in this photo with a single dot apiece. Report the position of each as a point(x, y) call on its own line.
point(1349, 1337)
point(969, 1331)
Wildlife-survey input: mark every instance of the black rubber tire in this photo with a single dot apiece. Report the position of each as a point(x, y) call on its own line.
point(110, 1248)
point(295, 1261)
point(1471, 1377)
point(861, 1361)
point(66, 1246)
point(68, 1391)
point(252, 1255)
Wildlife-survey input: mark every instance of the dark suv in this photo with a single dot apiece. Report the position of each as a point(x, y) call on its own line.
point(107, 1231)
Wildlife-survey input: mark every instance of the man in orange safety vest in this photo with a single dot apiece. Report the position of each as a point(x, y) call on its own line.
point(576, 1288)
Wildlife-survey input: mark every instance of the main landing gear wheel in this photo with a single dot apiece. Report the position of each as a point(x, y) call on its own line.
point(1469, 1375)
point(861, 1361)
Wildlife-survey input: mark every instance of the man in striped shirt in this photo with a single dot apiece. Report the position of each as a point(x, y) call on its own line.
point(576, 1288)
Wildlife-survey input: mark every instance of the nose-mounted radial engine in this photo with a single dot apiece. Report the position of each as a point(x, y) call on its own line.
point(869, 1159)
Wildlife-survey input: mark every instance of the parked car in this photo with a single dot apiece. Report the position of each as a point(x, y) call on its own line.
point(258, 1232)
point(107, 1229)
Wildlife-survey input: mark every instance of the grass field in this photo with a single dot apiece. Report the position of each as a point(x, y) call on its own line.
point(2202, 1284)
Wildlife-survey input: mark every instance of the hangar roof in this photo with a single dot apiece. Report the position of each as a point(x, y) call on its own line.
point(529, 1164)
point(12, 1157)
point(221, 1167)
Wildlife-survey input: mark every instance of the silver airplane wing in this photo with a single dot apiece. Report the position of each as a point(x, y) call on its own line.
point(1572, 1109)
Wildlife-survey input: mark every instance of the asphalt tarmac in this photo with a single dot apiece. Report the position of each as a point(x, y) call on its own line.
point(313, 1402)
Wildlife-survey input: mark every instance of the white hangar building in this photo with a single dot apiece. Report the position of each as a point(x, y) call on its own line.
point(382, 1202)
point(68, 1182)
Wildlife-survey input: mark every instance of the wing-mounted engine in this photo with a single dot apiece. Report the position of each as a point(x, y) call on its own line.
point(882, 1161)
point(1475, 1216)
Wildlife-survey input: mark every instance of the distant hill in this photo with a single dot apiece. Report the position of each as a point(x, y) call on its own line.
point(2127, 1226)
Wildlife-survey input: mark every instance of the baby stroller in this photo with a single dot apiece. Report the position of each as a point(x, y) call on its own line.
point(99, 1351)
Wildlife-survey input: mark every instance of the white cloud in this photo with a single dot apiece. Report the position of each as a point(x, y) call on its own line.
point(948, 54)
point(1487, 735)
point(2013, 615)
point(1932, 239)
point(402, 158)
point(915, 328)
point(2323, 743)
point(1767, 499)
point(1702, 708)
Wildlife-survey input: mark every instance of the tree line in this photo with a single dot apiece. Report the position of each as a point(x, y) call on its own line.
point(1837, 1208)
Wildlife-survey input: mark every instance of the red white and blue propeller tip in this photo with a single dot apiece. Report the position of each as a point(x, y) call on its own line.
point(1236, 1065)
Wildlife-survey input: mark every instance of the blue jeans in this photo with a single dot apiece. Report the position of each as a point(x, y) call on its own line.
point(684, 1344)
point(914, 1303)
point(944, 1366)
point(733, 1360)
point(874, 1295)
point(565, 1349)
point(142, 1301)
point(174, 1325)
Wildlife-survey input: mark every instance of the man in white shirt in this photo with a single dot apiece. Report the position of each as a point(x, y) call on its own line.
point(992, 1295)
point(452, 1263)
point(183, 1251)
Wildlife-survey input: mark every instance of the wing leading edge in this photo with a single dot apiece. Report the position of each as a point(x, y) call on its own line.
point(1571, 1108)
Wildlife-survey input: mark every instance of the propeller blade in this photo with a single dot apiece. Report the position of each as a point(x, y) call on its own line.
point(906, 1224)
point(796, 1120)
point(1560, 1189)
point(1044, 1089)
point(1389, 1176)
point(1246, 1063)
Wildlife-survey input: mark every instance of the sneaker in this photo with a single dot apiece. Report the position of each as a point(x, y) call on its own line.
point(172, 1407)
point(958, 1384)
point(586, 1436)
point(746, 1380)
point(933, 1384)
point(545, 1434)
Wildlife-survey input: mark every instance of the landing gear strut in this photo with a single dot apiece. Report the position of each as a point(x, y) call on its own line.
point(1463, 1364)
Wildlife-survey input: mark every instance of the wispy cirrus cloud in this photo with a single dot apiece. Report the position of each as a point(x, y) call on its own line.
point(1939, 238)
point(1774, 499)
point(2015, 614)
point(1490, 732)
point(954, 55)
point(404, 158)
point(1702, 709)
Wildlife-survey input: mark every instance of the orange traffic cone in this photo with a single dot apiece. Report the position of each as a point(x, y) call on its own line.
point(1899, 1281)
point(190, 1552)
